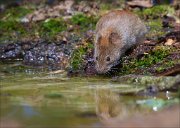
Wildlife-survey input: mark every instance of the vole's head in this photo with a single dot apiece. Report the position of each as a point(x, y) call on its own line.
point(107, 51)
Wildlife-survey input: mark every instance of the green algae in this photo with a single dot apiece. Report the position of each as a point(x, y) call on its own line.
point(53, 95)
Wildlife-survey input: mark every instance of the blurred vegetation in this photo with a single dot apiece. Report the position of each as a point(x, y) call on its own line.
point(10, 22)
point(15, 13)
point(52, 27)
point(10, 25)
point(155, 12)
point(84, 22)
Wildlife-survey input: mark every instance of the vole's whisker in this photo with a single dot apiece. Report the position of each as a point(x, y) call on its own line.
point(115, 71)
point(114, 68)
point(109, 73)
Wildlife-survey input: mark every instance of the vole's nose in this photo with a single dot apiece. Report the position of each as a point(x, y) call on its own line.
point(102, 70)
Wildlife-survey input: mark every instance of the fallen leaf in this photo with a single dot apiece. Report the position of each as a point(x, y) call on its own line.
point(169, 42)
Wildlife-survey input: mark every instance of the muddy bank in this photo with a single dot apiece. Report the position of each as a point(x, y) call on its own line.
point(64, 54)
point(42, 53)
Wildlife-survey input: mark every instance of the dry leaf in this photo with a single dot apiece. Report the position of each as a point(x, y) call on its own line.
point(169, 42)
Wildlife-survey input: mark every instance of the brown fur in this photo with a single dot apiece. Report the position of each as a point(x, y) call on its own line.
point(116, 32)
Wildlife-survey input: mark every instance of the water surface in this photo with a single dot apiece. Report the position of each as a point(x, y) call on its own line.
point(32, 97)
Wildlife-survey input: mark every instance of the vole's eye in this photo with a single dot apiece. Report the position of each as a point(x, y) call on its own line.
point(96, 58)
point(108, 58)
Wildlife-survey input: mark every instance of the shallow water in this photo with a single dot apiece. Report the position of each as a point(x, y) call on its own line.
point(34, 98)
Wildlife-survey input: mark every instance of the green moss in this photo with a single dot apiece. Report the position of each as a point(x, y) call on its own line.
point(159, 69)
point(155, 56)
point(52, 27)
point(77, 57)
point(155, 11)
point(10, 26)
point(15, 13)
point(156, 28)
point(166, 64)
point(153, 16)
point(85, 22)
point(11, 30)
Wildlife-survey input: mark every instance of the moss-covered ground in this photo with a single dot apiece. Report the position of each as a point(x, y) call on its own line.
point(14, 28)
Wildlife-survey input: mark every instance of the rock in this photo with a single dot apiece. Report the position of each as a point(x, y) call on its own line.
point(10, 51)
point(42, 53)
point(49, 54)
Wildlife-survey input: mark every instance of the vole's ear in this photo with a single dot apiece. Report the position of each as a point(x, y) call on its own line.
point(113, 38)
